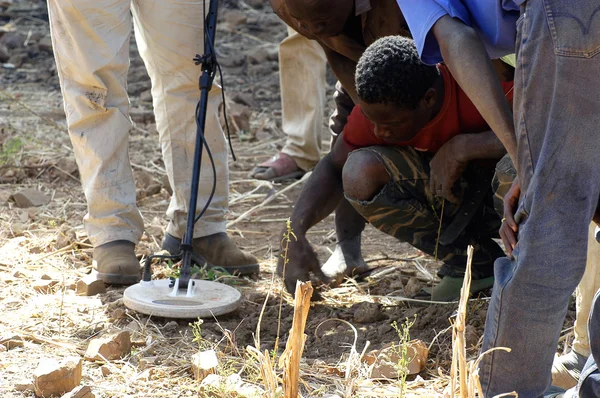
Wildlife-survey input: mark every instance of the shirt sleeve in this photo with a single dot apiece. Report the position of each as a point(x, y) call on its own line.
point(359, 131)
point(421, 15)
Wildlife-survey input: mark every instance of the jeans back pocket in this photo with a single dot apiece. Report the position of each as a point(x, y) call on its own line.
point(574, 26)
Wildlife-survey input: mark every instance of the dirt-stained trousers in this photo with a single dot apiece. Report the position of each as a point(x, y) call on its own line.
point(91, 47)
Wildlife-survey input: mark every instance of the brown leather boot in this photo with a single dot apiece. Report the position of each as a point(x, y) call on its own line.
point(116, 264)
point(216, 250)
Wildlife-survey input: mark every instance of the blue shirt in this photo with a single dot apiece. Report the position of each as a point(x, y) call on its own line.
point(493, 20)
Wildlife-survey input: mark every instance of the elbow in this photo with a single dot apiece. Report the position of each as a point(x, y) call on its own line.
point(455, 40)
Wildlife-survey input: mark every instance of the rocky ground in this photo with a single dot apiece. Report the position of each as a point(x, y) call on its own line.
point(44, 250)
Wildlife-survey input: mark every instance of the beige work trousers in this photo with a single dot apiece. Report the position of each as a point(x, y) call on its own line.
point(584, 295)
point(91, 47)
point(302, 67)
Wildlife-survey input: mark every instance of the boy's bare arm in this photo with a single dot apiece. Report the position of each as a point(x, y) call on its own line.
point(467, 59)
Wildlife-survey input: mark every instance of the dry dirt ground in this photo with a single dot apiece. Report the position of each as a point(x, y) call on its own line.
point(49, 243)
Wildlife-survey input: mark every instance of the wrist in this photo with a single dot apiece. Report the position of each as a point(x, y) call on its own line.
point(459, 146)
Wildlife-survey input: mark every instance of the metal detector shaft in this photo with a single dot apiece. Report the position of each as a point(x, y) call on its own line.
point(207, 60)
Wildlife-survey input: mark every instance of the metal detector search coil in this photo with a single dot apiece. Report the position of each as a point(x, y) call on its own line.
point(202, 299)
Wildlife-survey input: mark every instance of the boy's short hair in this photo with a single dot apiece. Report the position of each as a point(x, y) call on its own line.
point(391, 72)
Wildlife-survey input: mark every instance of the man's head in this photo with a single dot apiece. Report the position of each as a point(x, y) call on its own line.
point(321, 18)
point(395, 89)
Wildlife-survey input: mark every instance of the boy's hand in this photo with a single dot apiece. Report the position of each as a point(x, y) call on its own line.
point(301, 260)
point(446, 167)
point(509, 227)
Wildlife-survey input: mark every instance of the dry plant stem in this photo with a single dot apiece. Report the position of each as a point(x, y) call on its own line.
point(459, 351)
point(290, 360)
point(268, 200)
point(437, 242)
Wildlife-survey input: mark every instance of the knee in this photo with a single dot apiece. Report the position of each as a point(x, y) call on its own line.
point(364, 175)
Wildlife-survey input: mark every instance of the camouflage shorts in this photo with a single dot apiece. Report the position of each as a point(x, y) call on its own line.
point(407, 209)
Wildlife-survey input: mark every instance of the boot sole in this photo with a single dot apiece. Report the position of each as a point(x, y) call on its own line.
point(118, 279)
point(172, 245)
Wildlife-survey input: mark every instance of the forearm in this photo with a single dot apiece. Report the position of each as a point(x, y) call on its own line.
point(319, 198)
point(478, 146)
point(467, 59)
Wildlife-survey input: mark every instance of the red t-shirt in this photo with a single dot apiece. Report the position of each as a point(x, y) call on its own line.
point(458, 115)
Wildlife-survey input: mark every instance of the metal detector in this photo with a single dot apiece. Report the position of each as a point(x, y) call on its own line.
point(184, 297)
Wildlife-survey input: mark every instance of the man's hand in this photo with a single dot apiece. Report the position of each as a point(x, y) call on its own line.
point(509, 227)
point(446, 167)
point(301, 260)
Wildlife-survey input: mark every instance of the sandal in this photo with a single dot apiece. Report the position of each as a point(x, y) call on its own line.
point(280, 167)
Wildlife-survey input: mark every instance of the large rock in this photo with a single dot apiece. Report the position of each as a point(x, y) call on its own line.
point(386, 361)
point(4, 54)
point(54, 378)
point(109, 347)
point(30, 197)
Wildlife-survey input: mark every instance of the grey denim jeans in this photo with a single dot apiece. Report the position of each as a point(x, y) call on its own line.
point(557, 115)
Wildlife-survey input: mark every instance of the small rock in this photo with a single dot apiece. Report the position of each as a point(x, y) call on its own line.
point(18, 59)
point(45, 44)
point(54, 378)
point(46, 277)
point(113, 305)
point(244, 99)
point(44, 286)
point(471, 336)
point(119, 313)
point(367, 313)
point(13, 40)
point(147, 362)
point(239, 116)
point(23, 385)
point(11, 341)
point(262, 55)
point(30, 198)
point(234, 18)
point(18, 274)
point(413, 286)
point(109, 347)
point(80, 392)
point(233, 60)
point(4, 55)
point(3, 348)
point(204, 363)
point(143, 179)
point(153, 189)
point(105, 370)
point(89, 285)
point(35, 37)
point(133, 327)
point(171, 326)
point(167, 185)
point(64, 238)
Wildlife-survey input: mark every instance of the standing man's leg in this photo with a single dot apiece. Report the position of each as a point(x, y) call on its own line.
point(566, 369)
point(169, 34)
point(91, 47)
point(302, 67)
point(560, 184)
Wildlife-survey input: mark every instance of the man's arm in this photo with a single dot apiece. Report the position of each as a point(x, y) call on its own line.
point(478, 146)
point(318, 199)
point(323, 190)
point(468, 61)
point(451, 160)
